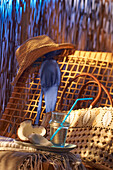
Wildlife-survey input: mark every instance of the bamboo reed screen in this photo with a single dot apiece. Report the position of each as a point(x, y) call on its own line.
point(24, 100)
point(88, 24)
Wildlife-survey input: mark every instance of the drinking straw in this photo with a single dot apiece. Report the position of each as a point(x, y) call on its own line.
point(68, 115)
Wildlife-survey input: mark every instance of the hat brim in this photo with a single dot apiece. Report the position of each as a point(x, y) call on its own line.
point(34, 54)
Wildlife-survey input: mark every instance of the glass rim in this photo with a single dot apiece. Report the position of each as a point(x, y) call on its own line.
point(60, 113)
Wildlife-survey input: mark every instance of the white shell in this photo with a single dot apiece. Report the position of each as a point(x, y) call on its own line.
point(39, 139)
point(86, 117)
point(107, 118)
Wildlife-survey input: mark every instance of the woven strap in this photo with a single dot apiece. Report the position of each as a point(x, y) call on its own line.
point(102, 86)
point(82, 75)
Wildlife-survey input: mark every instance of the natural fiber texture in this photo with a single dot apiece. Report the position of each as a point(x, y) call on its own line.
point(92, 131)
point(17, 156)
point(17, 160)
point(35, 48)
point(86, 24)
point(24, 100)
point(40, 161)
point(74, 79)
point(102, 86)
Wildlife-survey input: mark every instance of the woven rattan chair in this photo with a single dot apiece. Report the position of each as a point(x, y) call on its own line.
point(24, 100)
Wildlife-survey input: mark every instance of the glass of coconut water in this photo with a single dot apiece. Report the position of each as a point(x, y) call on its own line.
point(56, 121)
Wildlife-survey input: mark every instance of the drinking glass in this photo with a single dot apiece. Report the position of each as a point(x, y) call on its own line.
point(56, 121)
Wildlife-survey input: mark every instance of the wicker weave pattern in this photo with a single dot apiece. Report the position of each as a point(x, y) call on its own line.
point(88, 24)
point(92, 146)
point(24, 100)
point(93, 135)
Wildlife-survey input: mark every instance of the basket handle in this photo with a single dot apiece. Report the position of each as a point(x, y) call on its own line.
point(102, 86)
point(82, 75)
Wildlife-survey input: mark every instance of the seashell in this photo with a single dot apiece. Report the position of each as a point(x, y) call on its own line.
point(39, 139)
point(107, 118)
point(86, 117)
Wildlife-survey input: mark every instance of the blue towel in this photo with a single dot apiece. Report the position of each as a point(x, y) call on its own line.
point(50, 80)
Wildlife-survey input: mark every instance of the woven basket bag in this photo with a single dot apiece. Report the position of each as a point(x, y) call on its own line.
point(92, 129)
point(23, 102)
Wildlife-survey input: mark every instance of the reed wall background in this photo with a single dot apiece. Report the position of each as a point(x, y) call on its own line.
point(86, 23)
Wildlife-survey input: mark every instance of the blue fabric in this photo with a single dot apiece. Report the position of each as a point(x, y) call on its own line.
point(50, 80)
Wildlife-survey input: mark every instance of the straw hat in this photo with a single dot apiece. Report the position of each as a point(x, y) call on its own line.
point(34, 48)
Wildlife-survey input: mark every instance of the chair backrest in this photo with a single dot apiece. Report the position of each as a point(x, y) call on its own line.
point(24, 100)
